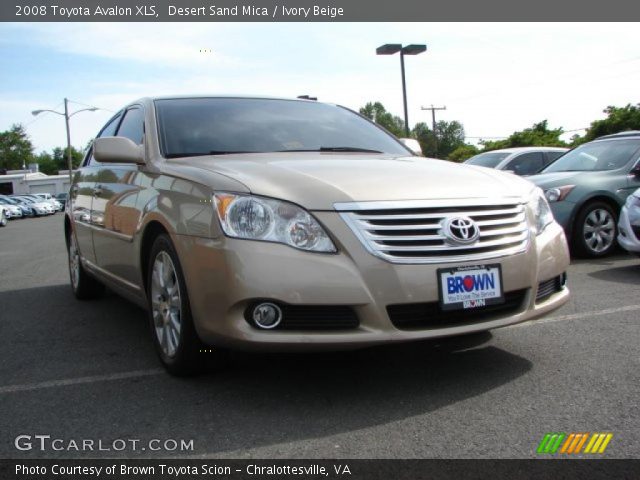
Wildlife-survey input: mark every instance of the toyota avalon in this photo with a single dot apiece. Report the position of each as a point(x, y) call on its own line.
point(275, 224)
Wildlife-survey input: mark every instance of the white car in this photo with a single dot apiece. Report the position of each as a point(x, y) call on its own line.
point(629, 224)
point(3, 216)
point(11, 211)
point(47, 197)
point(39, 208)
point(519, 160)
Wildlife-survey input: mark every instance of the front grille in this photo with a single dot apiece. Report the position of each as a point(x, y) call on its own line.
point(424, 316)
point(314, 317)
point(413, 232)
point(549, 287)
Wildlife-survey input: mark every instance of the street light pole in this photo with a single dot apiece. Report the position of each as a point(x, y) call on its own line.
point(391, 49)
point(67, 116)
point(66, 122)
point(404, 96)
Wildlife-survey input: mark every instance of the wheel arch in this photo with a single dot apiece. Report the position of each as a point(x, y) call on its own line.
point(152, 229)
point(604, 197)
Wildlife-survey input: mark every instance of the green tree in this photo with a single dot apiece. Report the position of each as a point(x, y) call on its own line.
point(52, 163)
point(46, 164)
point(450, 136)
point(463, 152)
point(16, 148)
point(619, 119)
point(538, 135)
point(377, 113)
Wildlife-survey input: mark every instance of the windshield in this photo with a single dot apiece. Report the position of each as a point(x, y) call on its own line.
point(203, 126)
point(489, 159)
point(596, 156)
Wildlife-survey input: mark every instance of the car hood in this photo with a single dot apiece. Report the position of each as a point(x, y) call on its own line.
point(319, 180)
point(558, 179)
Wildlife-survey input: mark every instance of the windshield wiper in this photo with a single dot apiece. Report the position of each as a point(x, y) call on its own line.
point(333, 149)
point(201, 154)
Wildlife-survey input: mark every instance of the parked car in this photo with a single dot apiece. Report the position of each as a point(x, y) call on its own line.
point(587, 187)
point(280, 224)
point(629, 224)
point(39, 208)
point(521, 160)
point(3, 216)
point(62, 198)
point(11, 211)
point(27, 211)
point(40, 197)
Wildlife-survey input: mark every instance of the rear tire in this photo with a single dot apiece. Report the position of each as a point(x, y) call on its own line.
point(174, 335)
point(595, 230)
point(84, 286)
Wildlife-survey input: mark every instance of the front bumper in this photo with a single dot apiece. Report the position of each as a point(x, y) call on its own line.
point(627, 237)
point(224, 276)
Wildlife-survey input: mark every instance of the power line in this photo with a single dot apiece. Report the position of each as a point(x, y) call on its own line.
point(91, 106)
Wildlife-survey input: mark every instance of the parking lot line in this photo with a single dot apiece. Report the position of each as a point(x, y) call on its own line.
point(160, 371)
point(81, 380)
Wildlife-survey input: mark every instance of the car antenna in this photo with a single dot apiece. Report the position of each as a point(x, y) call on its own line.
point(307, 97)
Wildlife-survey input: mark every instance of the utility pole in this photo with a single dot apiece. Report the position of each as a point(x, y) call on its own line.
point(433, 123)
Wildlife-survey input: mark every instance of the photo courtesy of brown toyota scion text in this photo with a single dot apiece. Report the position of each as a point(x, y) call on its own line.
point(276, 224)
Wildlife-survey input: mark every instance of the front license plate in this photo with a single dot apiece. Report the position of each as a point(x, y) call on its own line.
point(470, 287)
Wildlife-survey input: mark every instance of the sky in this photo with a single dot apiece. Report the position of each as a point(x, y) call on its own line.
point(495, 78)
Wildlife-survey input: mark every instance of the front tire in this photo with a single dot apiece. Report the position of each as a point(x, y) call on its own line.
point(595, 230)
point(84, 286)
point(3, 219)
point(174, 335)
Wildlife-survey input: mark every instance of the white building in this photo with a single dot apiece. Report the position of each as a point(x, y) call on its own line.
point(24, 181)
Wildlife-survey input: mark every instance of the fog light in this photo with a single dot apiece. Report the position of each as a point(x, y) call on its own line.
point(266, 315)
point(563, 280)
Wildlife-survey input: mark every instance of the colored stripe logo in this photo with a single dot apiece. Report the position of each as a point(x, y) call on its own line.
point(573, 443)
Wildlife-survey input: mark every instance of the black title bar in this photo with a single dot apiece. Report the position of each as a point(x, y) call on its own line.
point(314, 10)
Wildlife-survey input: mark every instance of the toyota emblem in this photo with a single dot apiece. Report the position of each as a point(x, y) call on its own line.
point(461, 230)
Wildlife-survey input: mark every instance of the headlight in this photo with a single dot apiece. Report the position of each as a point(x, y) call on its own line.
point(541, 210)
point(257, 218)
point(558, 194)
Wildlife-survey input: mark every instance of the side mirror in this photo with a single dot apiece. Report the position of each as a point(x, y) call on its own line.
point(117, 150)
point(413, 145)
point(635, 171)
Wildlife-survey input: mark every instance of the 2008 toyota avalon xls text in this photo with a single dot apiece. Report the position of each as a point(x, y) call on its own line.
point(280, 224)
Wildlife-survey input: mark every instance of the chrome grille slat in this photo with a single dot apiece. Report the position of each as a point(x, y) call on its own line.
point(419, 216)
point(413, 232)
point(418, 248)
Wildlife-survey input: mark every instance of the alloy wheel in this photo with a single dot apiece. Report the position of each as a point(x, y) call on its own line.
point(599, 230)
point(74, 262)
point(166, 304)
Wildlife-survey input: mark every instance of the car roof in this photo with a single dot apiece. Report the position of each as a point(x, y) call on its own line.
point(150, 100)
point(528, 149)
point(628, 133)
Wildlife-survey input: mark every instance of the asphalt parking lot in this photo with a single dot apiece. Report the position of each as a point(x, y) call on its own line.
point(87, 370)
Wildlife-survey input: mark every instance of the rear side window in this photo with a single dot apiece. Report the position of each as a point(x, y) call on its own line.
point(527, 163)
point(132, 126)
point(552, 156)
